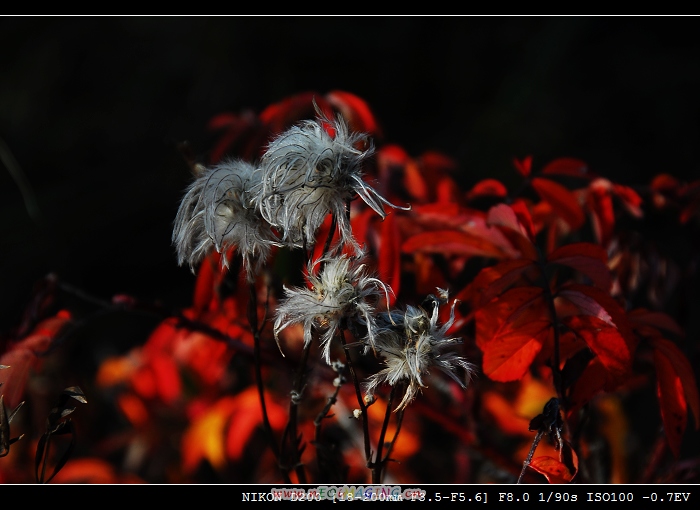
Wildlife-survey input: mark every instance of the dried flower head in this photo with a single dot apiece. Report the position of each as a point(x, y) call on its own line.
point(341, 290)
point(218, 212)
point(411, 344)
point(309, 173)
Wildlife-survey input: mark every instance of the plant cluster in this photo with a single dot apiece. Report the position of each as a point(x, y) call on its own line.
point(359, 317)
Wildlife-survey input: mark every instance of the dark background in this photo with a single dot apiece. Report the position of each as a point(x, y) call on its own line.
point(92, 111)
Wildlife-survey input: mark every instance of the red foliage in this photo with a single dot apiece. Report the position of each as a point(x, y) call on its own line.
point(552, 303)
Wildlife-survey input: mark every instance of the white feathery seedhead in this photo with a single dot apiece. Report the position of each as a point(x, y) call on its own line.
point(218, 212)
point(342, 289)
point(411, 344)
point(307, 174)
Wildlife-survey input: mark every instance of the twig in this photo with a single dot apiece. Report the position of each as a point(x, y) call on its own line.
point(253, 321)
point(378, 464)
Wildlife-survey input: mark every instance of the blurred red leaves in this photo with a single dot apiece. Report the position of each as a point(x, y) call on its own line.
point(23, 355)
point(548, 285)
point(220, 430)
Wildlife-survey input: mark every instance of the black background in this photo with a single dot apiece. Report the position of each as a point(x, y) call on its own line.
point(92, 110)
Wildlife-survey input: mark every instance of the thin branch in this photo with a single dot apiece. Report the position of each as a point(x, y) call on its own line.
point(253, 321)
point(378, 464)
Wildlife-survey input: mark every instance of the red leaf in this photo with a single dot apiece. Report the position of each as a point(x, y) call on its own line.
point(396, 166)
point(555, 470)
point(389, 263)
point(492, 281)
point(452, 242)
point(664, 183)
point(674, 409)
point(566, 166)
point(469, 232)
point(683, 370)
point(247, 417)
point(643, 318)
point(279, 116)
point(322, 235)
point(614, 310)
point(630, 199)
point(447, 190)
point(209, 278)
point(505, 417)
point(582, 305)
point(167, 378)
point(361, 224)
point(487, 188)
point(592, 381)
point(221, 121)
point(522, 212)
point(562, 200)
point(587, 258)
point(606, 342)
point(238, 128)
point(23, 356)
point(523, 167)
point(222, 432)
point(92, 471)
point(510, 332)
point(355, 110)
point(600, 202)
point(504, 217)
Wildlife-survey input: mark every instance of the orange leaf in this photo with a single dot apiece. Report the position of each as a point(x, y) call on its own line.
point(553, 469)
point(501, 410)
point(587, 258)
point(224, 429)
point(133, 408)
point(247, 417)
point(93, 471)
point(562, 200)
point(116, 370)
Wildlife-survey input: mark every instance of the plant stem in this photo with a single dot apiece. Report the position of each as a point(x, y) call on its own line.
point(556, 357)
point(536, 441)
point(378, 464)
point(360, 400)
point(253, 321)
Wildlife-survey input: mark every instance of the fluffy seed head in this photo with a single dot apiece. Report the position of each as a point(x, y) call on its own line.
point(218, 212)
point(411, 344)
point(309, 173)
point(341, 290)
